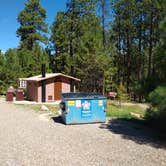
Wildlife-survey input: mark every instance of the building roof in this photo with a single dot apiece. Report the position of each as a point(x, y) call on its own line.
point(49, 75)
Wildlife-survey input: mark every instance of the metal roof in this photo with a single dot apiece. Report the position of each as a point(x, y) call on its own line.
point(48, 76)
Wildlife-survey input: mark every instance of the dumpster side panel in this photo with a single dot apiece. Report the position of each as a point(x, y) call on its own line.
point(85, 111)
point(72, 112)
point(99, 111)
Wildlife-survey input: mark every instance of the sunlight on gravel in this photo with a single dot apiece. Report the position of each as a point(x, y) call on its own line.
point(29, 138)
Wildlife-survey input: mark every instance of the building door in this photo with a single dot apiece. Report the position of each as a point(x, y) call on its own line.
point(57, 90)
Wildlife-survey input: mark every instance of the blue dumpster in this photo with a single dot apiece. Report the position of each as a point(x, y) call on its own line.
point(83, 108)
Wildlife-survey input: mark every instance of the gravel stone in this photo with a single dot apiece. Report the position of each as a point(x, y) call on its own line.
point(26, 140)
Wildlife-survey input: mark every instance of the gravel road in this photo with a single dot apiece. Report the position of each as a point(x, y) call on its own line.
point(26, 139)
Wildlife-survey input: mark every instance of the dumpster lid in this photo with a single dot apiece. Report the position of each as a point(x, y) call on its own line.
point(81, 95)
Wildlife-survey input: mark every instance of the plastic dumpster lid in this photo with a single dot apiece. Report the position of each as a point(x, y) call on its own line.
point(82, 95)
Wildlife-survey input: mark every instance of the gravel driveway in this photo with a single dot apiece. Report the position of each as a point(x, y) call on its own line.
point(26, 139)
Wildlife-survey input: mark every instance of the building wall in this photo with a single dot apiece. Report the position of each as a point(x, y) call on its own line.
point(49, 91)
point(39, 92)
point(65, 85)
point(57, 90)
point(32, 91)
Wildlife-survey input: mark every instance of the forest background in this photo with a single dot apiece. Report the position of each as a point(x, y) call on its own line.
point(111, 45)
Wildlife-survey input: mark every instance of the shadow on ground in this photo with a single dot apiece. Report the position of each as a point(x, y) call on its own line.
point(58, 119)
point(134, 130)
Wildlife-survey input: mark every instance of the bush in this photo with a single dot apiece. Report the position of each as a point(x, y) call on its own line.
point(122, 94)
point(157, 112)
point(157, 96)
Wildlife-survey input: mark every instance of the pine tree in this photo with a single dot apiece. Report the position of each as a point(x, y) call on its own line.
point(136, 32)
point(154, 11)
point(59, 38)
point(10, 70)
point(32, 26)
point(2, 83)
point(77, 39)
point(31, 61)
point(124, 31)
point(105, 7)
point(160, 54)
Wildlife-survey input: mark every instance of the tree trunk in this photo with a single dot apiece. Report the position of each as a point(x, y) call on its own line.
point(150, 45)
point(128, 60)
point(119, 51)
point(103, 84)
point(103, 21)
point(140, 50)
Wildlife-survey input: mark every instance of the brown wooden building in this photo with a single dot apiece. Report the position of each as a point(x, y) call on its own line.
point(55, 84)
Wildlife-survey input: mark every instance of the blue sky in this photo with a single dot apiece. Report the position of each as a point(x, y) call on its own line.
point(9, 10)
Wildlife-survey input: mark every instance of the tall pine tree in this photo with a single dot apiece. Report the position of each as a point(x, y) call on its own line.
point(78, 43)
point(32, 26)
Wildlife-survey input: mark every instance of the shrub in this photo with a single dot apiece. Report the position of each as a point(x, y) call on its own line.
point(122, 94)
point(157, 96)
point(157, 112)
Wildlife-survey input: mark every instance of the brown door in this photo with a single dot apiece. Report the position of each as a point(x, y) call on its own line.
point(57, 90)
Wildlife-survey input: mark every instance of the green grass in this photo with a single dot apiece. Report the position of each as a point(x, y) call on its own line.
point(37, 107)
point(52, 108)
point(114, 110)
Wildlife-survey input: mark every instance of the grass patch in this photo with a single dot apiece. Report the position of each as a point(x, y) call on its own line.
point(52, 108)
point(127, 112)
point(34, 107)
point(37, 107)
point(113, 110)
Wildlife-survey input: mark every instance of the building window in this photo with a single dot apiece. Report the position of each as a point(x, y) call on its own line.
point(22, 83)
